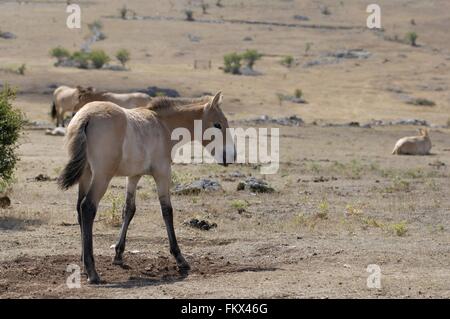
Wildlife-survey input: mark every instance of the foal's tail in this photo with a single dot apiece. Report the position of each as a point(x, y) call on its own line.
point(76, 145)
point(53, 110)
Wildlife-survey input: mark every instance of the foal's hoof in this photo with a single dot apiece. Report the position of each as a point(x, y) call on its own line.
point(118, 261)
point(95, 280)
point(184, 266)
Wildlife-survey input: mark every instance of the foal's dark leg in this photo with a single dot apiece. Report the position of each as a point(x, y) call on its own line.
point(127, 215)
point(88, 211)
point(83, 187)
point(162, 182)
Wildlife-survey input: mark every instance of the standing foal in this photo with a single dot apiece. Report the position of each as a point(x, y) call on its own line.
point(105, 140)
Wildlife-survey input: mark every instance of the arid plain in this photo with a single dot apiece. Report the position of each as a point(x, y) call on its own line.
point(341, 200)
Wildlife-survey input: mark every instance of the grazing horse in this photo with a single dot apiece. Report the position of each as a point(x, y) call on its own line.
point(105, 140)
point(65, 99)
point(130, 100)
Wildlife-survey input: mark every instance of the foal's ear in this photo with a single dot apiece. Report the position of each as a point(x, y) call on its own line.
point(216, 101)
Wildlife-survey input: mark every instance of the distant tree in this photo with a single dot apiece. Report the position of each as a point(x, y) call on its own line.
point(123, 56)
point(21, 69)
point(287, 61)
point(411, 37)
point(308, 46)
point(189, 15)
point(205, 7)
point(99, 58)
point(123, 12)
point(325, 10)
point(251, 56)
point(82, 58)
point(60, 53)
point(232, 63)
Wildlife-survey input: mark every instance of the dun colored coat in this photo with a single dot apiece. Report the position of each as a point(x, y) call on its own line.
point(414, 145)
point(105, 140)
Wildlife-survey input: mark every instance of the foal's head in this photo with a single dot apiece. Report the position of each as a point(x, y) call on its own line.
point(213, 118)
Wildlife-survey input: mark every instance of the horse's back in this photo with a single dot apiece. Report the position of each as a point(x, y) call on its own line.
point(105, 132)
point(129, 100)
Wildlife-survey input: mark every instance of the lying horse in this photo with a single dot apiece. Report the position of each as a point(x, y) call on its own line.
point(414, 145)
point(105, 140)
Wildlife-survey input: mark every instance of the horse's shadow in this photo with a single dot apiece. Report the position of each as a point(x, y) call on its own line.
point(145, 278)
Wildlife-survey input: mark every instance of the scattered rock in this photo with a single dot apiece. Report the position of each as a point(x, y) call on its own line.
point(372, 123)
point(7, 35)
point(200, 224)
point(5, 202)
point(155, 91)
point(338, 56)
point(236, 174)
point(194, 38)
point(292, 120)
point(322, 179)
point(301, 18)
point(421, 102)
point(437, 164)
point(350, 54)
point(113, 67)
point(245, 70)
point(291, 98)
point(42, 178)
point(196, 187)
point(255, 185)
point(58, 131)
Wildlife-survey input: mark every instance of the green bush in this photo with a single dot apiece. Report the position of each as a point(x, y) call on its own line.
point(11, 122)
point(411, 37)
point(21, 69)
point(82, 58)
point(99, 58)
point(123, 56)
point(288, 61)
point(123, 12)
point(189, 15)
point(298, 93)
point(232, 62)
point(60, 53)
point(251, 56)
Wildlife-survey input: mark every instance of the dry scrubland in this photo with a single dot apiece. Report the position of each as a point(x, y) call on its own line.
point(341, 201)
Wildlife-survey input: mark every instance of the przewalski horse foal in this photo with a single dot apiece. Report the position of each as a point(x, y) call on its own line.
point(414, 145)
point(105, 140)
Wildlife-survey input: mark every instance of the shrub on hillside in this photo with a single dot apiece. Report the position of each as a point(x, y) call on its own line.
point(99, 58)
point(232, 63)
point(11, 122)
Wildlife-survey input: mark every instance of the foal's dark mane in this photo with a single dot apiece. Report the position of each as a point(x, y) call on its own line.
point(165, 104)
